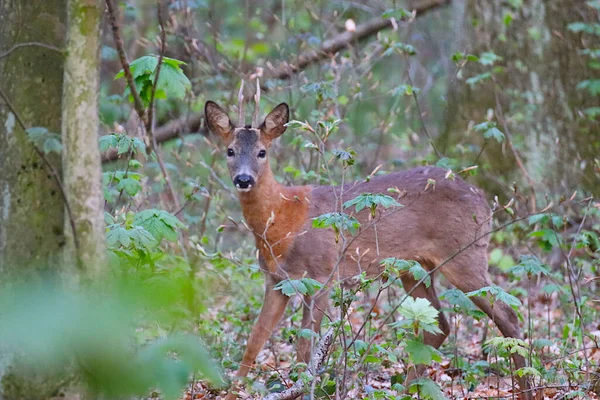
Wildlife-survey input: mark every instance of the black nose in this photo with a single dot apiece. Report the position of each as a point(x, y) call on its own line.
point(243, 181)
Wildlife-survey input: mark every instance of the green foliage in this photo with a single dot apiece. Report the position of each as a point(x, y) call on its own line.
point(396, 267)
point(123, 143)
point(420, 315)
point(172, 82)
point(509, 345)
point(46, 141)
point(303, 286)
point(530, 265)
point(338, 221)
point(371, 201)
point(159, 223)
point(490, 130)
point(427, 389)
point(89, 333)
point(494, 293)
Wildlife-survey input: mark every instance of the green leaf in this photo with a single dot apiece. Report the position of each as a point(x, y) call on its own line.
point(427, 389)
point(371, 201)
point(131, 186)
point(591, 85)
point(490, 130)
point(497, 293)
point(173, 82)
point(420, 353)
point(338, 222)
point(346, 156)
point(419, 310)
point(477, 79)
point(489, 58)
point(159, 223)
point(530, 265)
point(46, 141)
point(290, 287)
point(458, 299)
point(107, 141)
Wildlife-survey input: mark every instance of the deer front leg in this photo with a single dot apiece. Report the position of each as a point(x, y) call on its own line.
point(270, 314)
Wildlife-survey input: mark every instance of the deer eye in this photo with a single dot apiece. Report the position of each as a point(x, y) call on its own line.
point(262, 154)
point(230, 153)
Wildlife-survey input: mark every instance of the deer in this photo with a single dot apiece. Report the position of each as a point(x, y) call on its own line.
point(445, 226)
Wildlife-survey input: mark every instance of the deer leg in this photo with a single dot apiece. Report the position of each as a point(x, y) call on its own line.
point(421, 291)
point(270, 314)
point(501, 313)
point(312, 315)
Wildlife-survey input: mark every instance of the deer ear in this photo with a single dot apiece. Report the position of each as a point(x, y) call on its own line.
point(217, 120)
point(274, 124)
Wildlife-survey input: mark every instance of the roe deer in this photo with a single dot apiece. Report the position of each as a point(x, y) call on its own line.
point(448, 223)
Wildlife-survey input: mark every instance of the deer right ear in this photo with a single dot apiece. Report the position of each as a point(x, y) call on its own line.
point(217, 120)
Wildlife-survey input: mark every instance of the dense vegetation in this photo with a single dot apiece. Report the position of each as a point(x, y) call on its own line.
point(505, 95)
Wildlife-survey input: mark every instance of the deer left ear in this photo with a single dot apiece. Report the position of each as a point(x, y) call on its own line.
point(217, 120)
point(274, 124)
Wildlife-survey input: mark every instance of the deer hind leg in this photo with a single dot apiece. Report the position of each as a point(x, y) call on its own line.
point(469, 272)
point(270, 314)
point(421, 291)
point(312, 315)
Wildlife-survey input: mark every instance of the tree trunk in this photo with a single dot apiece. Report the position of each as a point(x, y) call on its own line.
point(536, 96)
point(81, 155)
point(31, 204)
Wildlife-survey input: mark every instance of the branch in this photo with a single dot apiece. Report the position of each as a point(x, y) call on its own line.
point(318, 358)
point(286, 69)
point(30, 44)
point(137, 101)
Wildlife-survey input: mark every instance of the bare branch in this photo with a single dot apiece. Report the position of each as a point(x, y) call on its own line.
point(30, 44)
point(137, 101)
point(286, 69)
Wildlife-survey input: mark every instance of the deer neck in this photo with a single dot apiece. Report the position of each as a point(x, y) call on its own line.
point(276, 214)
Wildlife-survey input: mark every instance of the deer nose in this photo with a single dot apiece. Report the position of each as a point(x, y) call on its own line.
point(243, 181)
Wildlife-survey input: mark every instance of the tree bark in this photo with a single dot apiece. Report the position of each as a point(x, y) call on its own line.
point(31, 207)
point(81, 154)
point(31, 204)
point(536, 96)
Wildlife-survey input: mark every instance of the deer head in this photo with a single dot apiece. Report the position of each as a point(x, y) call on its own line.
point(247, 145)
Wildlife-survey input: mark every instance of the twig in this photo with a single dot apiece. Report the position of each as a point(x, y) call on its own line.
point(30, 44)
point(318, 358)
point(423, 126)
point(518, 159)
point(163, 38)
point(137, 101)
point(50, 167)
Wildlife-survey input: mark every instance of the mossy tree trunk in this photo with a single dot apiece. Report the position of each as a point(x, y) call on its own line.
point(536, 96)
point(31, 205)
point(81, 155)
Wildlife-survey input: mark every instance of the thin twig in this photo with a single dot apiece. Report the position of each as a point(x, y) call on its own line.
point(30, 44)
point(137, 101)
point(50, 167)
point(163, 38)
point(423, 126)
